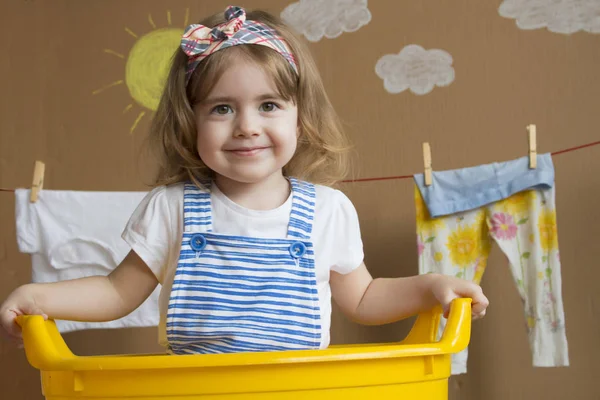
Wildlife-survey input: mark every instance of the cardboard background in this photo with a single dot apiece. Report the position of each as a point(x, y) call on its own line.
point(54, 59)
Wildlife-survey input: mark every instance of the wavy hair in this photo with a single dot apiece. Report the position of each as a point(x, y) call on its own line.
point(322, 150)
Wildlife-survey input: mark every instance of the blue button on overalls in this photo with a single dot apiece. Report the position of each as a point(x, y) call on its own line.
point(297, 249)
point(198, 242)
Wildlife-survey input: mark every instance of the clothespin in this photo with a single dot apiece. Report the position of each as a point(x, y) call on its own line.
point(532, 146)
point(38, 180)
point(427, 163)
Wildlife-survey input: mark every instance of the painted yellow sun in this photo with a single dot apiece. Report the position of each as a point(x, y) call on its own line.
point(147, 65)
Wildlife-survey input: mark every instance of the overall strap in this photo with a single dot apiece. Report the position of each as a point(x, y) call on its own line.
point(197, 207)
point(303, 209)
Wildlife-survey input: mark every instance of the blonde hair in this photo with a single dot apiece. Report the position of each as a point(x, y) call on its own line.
point(321, 154)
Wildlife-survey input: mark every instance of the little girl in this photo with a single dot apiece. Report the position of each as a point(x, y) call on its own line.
point(241, 231)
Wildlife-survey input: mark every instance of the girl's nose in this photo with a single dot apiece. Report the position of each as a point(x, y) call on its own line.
point(248, 125)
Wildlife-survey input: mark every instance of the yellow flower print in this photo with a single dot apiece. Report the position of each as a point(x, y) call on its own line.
point(483, 261)
point(480, 268)
point(438, 256)
point(531, 195)
point(517, 204)
point(464, 245)
point(530, 322)
point(548, 230)
point(425, 224)
point(480, 218)
point(540, 275)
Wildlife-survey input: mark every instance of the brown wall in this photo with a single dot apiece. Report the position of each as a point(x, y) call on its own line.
point(506, 78)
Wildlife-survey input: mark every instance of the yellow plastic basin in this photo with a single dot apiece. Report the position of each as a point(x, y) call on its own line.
point(416, 368)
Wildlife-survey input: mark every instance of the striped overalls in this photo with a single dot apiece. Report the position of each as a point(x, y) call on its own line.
point(239, 294)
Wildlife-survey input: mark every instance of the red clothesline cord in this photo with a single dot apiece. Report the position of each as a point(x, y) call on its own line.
point(385, 178)
point(410, 176)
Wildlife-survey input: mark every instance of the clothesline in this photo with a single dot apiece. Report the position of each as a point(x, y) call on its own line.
point(385, 178)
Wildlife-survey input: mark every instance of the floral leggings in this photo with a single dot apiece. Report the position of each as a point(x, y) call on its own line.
point(524, 227)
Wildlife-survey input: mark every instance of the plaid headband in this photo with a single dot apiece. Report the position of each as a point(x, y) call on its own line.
point(199, 41)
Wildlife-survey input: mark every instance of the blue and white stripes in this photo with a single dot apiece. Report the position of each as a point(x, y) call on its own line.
point(302, 215)
point(197, 208)
point(235, 294)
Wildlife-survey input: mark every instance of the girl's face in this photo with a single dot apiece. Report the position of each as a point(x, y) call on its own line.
point(246, 131)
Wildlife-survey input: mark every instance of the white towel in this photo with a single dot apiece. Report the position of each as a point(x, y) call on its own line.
point(73, 234)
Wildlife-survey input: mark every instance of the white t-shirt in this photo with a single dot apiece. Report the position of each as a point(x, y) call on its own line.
point(155, 230)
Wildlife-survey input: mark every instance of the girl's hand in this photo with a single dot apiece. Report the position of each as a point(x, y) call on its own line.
point(20, 302)
point(447, 288)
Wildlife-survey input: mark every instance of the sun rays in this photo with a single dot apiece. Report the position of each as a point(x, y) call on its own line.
point(146, 65)
point(102, 89)
point(114, 53)
point(131, 32)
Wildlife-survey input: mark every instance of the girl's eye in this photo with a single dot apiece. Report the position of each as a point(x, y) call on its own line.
point(268, 107)
point(221, 109)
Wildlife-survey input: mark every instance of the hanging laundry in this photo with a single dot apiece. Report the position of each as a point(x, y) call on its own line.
point(74, 234)
point(463, 210)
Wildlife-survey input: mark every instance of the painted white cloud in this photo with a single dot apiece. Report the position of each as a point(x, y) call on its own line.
point(416, 69)
point(329, 18)
point(558, 16)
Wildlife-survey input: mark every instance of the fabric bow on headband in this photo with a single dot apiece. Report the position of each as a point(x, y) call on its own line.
point(199, 41)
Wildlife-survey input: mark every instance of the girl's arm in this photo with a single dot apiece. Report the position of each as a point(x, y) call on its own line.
point(380, 301)
point(90, 299)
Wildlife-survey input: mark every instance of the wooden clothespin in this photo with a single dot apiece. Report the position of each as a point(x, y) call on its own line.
point(38, 180)
point(532, 146)
point(427, 163)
